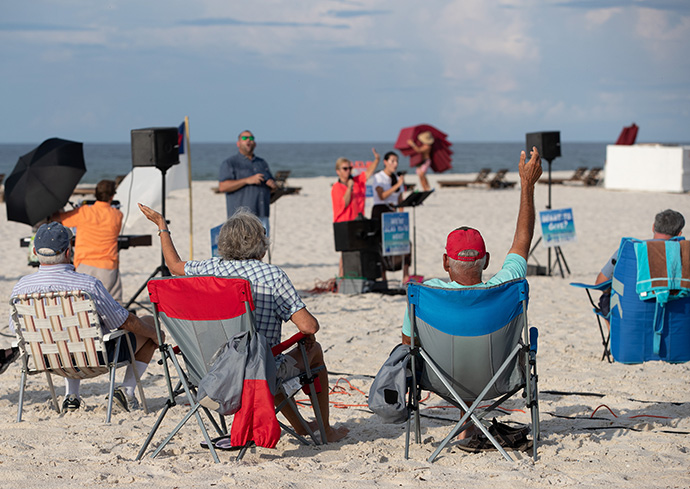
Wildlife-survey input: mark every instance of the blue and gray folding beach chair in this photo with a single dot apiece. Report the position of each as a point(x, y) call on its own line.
point(473, 344)
point(650, 301)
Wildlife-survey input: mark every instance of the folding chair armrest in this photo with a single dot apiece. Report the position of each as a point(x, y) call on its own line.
point(114, 334)
point(601, 287)
point(533, 336)
point(281, 347)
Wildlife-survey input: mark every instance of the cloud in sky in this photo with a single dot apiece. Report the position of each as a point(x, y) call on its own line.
point(346, 70)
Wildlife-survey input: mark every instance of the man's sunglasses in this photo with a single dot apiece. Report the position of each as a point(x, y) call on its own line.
point(244, 138)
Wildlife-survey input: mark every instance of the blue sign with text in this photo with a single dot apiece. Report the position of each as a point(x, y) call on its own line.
point(395, 233)
point(557, 226)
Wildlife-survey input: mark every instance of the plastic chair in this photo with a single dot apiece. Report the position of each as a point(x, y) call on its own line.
point(201, 314)
point(59, 333)
point(474, 345)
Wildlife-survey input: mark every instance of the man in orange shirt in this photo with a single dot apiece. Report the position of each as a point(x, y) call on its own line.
point(97, 228)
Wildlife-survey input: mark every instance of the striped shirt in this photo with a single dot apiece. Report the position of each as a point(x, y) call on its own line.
point(275, 298)
point(62, 277)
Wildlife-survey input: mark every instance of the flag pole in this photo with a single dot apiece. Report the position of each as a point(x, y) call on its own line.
point(189, 181)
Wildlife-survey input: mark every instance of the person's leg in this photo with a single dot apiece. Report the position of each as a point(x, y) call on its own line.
point(315, 358)
point(421, 172)
point(71, 387)
point(144, 348)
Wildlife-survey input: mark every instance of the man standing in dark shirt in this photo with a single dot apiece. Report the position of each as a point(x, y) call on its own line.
point(246, 180)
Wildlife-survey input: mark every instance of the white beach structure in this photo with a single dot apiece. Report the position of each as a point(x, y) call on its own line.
point(651, 167)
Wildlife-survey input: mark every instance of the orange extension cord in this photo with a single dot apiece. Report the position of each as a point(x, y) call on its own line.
point(340, 390)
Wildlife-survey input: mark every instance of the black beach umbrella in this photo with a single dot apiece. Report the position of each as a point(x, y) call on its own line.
point(43, 180)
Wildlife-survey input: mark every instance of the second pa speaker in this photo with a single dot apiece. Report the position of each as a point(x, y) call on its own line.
point(155, 146)
point(548, 144)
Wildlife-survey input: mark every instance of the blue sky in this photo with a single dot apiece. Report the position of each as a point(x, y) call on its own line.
point(346, 70)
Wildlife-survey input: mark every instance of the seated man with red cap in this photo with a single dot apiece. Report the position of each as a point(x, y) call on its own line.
point(466, 257)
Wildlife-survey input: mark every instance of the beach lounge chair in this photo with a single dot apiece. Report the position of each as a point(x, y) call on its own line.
point(59, 333)
point(650, 301)
point(472, 345)
point(201, 314)
point(499, 181)
point(592, 177)
point(480, 178)
point(577, 176)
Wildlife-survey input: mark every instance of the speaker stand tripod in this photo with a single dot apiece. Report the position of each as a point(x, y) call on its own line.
point(559, 256)
point(161, 269)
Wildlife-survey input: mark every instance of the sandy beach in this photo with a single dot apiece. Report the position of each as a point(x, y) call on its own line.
point(602, 425)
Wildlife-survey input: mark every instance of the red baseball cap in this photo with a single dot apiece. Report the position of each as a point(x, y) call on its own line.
point(465, 239)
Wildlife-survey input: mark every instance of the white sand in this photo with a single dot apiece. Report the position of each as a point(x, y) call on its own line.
point(357, 333)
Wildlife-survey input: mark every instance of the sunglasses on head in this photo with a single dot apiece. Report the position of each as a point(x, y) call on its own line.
point(245, 138)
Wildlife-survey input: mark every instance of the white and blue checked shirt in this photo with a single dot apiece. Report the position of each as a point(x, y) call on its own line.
point(61, 277)
point(275, 298)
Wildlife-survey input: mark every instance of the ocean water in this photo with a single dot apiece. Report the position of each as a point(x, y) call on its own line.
point(315, 159)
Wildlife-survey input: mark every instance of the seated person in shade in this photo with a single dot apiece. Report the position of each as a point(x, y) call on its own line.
point(242, 244)
point(466, 257)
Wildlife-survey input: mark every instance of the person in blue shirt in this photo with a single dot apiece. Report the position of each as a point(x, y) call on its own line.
point(246, 180)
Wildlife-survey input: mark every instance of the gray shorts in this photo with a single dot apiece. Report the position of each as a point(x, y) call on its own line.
point(286, 368)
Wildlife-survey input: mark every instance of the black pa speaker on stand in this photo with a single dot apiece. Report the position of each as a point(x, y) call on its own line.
point(548, 144)
point(159, 147)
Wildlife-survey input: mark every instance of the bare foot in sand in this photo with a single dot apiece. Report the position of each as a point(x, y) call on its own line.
point(332, 434)
point(336, 434)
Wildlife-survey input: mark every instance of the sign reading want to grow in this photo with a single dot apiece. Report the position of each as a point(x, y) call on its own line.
point(395, 233)
point(557, 226)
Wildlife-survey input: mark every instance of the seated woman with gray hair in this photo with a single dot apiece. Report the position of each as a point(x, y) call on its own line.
point(242, 244)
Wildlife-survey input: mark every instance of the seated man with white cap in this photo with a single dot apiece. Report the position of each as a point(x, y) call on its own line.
point(466, 257)
point(56, 273)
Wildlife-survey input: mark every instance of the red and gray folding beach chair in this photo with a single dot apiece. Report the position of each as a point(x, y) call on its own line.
point(202, 314)
point(474, 345)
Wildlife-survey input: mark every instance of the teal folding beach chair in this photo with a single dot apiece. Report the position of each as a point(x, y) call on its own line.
point(470, 345)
